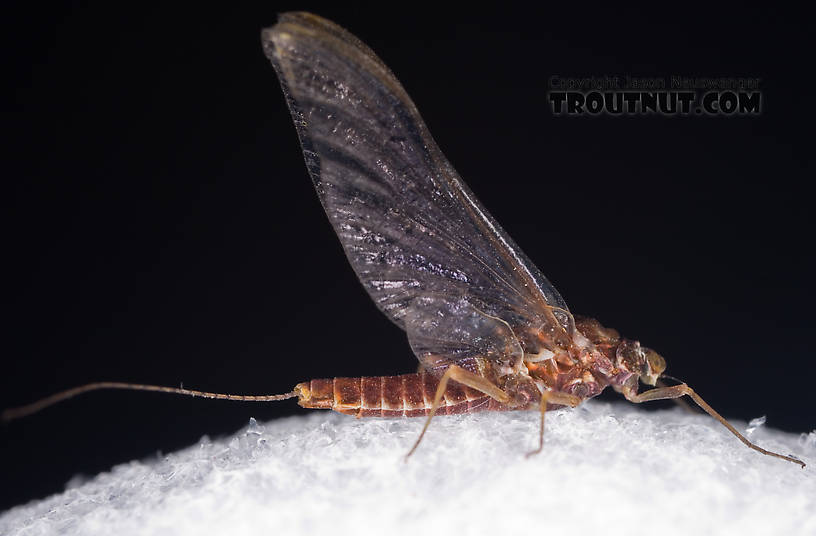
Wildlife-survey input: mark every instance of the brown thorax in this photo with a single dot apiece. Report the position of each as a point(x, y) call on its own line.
point(595, 358)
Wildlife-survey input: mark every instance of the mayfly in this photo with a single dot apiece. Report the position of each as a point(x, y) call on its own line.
point(489, 330)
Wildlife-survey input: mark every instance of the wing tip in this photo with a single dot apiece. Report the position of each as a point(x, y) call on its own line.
point(293, 23)
point(297, 27)
point(275, 38)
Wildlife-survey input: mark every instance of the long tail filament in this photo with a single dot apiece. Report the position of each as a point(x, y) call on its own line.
point(23, 411)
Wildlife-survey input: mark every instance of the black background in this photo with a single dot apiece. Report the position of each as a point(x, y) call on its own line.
point(161, 227)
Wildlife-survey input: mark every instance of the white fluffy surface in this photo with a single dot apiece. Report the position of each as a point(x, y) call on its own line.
point(606, 468)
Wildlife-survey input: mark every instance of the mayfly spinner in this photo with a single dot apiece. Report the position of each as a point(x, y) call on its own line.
point(489, 330)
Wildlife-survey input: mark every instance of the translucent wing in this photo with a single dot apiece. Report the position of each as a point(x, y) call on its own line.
point(408, 224)
point(443, 330)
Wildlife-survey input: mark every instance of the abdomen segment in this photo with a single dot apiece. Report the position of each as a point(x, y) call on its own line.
point(406, 395)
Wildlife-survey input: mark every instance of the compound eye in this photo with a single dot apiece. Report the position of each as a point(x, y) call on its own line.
point(655, 365)
point(656, 362)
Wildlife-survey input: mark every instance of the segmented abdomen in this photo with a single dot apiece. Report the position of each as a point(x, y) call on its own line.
point(406, 395)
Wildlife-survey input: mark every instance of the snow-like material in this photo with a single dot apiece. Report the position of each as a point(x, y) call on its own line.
point(606, 469)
